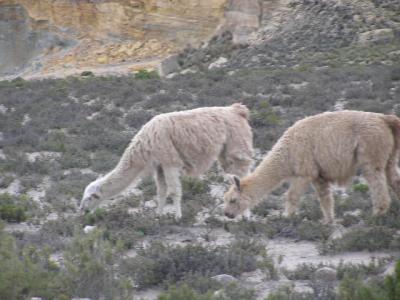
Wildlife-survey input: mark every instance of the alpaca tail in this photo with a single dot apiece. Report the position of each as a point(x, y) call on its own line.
point(241, 110)
point(394, 124)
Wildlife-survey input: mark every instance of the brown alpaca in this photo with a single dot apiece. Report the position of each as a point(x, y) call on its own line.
point(324, 149)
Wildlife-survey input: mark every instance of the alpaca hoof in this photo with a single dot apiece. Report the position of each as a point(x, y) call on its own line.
point(178, 216)
point(288, 214)
point(328, 222)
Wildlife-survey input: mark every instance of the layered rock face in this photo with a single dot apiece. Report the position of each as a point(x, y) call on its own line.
point(21, 38)
point(94, 32)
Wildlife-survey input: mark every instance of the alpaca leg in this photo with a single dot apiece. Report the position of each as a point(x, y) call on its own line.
point(174, 189)
point(379, 190)
point(326, 200)
point(298, 187)
point(393, 175)
point(161, 189)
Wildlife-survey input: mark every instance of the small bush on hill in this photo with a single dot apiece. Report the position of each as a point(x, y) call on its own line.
point(14, 208)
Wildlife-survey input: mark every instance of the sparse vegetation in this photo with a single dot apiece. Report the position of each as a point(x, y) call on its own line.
point(14, 208)
point(87, 121)
point(160, 264)
point(352, 288)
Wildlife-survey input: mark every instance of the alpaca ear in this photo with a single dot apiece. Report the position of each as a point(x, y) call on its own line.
point(237, 182)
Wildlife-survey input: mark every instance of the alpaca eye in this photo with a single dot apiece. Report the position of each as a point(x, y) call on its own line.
point(95, 196)
point(233, 201)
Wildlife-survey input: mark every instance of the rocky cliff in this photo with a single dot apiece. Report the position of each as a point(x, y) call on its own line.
point(62, 37)
point(53, 34)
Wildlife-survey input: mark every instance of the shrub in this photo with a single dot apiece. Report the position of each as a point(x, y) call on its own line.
point(144, 74)
point(160, 264)
point(310, 230)
point(26, 273)
point(183, 293)
point(361, 271)
point(230, 292)
point(90, 269)
point(14, 208)
point(353, 289)
point(87, 73)
point(263, 115)
point(362, 238)
point(287, 292)
point(121, 226)
point(303, 271)
point(95, 216)
point(360, 187)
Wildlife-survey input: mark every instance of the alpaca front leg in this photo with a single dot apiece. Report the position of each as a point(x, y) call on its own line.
point(161, 190)
point(326, 200)
point(174, 189)
point(298, 187)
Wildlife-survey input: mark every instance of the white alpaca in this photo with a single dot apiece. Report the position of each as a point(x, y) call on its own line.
point(321, 150)
point(179, 143)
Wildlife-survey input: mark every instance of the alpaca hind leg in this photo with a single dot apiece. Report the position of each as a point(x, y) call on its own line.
point(161, 189)
point(393, 175)
point(298, 187)
point(325, 199)
point(174, 189)
point(379, 190)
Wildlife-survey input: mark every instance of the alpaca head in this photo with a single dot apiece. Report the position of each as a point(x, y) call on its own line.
point(91, 196)
point(234, 202)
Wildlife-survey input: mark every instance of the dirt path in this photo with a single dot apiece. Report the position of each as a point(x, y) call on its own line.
point(100, 70)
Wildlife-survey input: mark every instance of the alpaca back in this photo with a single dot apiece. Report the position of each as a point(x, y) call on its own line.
point(332, 145)
point(193, 139)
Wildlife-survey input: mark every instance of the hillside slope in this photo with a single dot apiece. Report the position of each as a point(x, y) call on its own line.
point(57, 135)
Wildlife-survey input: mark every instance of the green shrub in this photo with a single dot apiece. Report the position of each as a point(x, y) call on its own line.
point(263, 115)
point(230, 292)
point(287, 292)
point(361, 271)
point(26, 272)
point(90, 269)
point(160, 264)
point(360, 187)
point(235, 292)
point(184, 293)
point(303, 271)
point(120, 226)
point(362, 238)
point(95, 216)
point(354, 289)
point(144, 74)
point(14, 208)
point(193, 186)
point(87, 73)
point(310, 230)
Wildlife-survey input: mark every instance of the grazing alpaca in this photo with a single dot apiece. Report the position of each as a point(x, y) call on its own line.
point(321, 150)
point(171, 144)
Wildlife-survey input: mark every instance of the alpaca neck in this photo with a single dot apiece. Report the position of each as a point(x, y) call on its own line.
point(119, 179)
point(271, 172)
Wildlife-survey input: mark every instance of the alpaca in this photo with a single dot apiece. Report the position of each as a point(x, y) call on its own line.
point(175, 144)
point(321, 150)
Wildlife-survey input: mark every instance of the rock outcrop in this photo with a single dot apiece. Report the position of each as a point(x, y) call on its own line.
point(89, 33)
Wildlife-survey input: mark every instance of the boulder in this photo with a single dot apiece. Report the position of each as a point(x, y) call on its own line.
point(224, 278)
point(376, 36)
point(325, 274)
point(168, 65)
